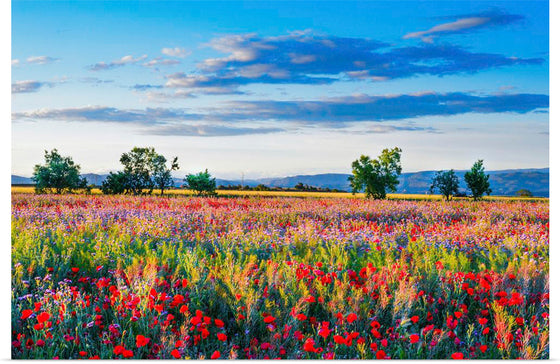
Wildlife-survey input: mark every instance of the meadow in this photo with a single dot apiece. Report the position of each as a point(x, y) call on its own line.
point(257, 277)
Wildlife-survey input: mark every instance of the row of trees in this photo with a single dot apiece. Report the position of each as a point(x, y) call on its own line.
point(144, 170)
point(378, 176)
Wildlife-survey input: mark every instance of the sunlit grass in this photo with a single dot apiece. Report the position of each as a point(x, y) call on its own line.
point(233, 193)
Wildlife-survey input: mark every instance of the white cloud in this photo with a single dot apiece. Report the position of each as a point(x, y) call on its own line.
point(175, 52)
point(117, 63)
point(41, 60)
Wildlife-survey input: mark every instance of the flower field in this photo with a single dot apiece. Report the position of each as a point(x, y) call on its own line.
point(293, 278)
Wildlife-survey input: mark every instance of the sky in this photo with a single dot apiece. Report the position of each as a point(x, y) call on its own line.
point(263, 89)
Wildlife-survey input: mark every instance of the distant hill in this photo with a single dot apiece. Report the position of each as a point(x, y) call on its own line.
point(505, 182)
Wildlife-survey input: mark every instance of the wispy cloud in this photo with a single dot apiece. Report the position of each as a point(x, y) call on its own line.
point(28, 86)
point(41, 60)
point(208, 130)
point(389, 107)
point(15, 62)
point(147, 116)
point(334, 111)
point(159, 61)
point(101, 66)
point(175, 52)
point(308, 58)
point(466, 23)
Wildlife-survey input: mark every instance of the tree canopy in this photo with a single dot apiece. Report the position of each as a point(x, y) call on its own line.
point(59, 174)
point(202, 183)
point(446, 182)
point(377, 176)
point(477, 181)
point(144, 170)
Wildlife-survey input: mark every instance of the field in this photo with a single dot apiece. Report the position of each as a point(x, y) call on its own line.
point(234, 193)
point(278, 277)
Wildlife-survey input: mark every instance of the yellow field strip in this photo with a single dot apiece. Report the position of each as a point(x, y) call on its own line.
point(232, 193)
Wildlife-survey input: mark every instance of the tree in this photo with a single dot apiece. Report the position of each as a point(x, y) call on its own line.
point(116, 183)
point(138, 164)
point(446, 182)
point(162, 174)
point(144, 170)
point(59, 174)
point(477, 181)
point(202, 183)
point(377, 176)
point(524, 193)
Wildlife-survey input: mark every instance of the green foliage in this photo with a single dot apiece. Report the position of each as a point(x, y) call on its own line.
point(524, 193)
point(144, 170)
point(162, 174)
point(477, 181)
point(115, 183)
point(138, 165)
point(377, 176)
point(202, 183)
point(59, 174)
point(446, 182)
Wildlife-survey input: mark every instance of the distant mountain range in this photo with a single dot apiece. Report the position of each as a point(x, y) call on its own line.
point(504, 182)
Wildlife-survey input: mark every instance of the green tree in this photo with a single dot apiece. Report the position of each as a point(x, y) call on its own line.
point(138, 165)
point(162, 174)
point(59, 174)
point(524, 193)
point(477, 181)
point(115, 183)
point(377, 176)
point(202, 183)
point(446, 182)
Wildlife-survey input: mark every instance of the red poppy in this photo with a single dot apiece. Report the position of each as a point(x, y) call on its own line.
point(457, 356)
point(219, 322)
point(351, 318)
point(222, 337)
point(414, 319)
point(127, 354)
point(43, 316)
point(414, 338)
point(483, 348)
point(175, 353)
point(380, 354)
point(269, 319)
point(482, 321)
point(25, 314)
point(75, 270)
point(118, 350)
point(215, 355)
point(141, 340)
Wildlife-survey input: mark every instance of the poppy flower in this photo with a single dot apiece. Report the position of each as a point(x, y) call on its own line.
point(141, 341)
point(118, 350)
point(222, 337)
point(457, 356)
point(414, 338)
point(43, 316)
point(175, 353)
point(25, 314)
point(215, 355)
point(219, 323)
point(380, 354)
point(483, 348)
point(414, 319)
point(351, 318)
point(127, 354)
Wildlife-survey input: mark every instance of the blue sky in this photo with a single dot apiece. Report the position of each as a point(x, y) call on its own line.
point(281, 88)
